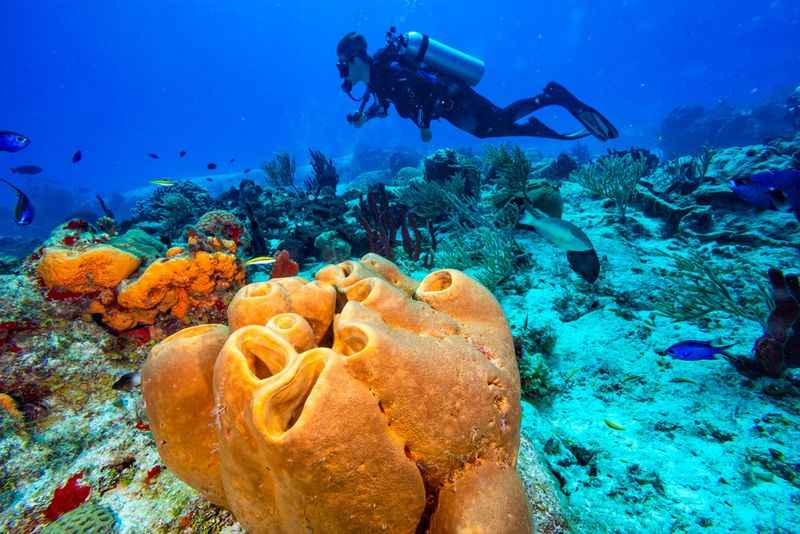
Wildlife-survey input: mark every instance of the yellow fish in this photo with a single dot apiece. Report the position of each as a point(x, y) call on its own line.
point(610, 423)
point(163, 183)
point(260, 260)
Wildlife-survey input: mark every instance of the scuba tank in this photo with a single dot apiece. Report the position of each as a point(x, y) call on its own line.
point(420, 48)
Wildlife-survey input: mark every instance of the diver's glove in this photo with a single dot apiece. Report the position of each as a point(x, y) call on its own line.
point(357, 119)
point(425, 134)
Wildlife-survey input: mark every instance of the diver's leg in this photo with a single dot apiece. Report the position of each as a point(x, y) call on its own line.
point(477, 115)
point(557, 95)
point(526, 106)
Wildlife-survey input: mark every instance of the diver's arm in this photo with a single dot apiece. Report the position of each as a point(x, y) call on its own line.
point(379, 108)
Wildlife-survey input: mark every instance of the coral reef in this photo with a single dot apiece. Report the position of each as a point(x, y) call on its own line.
point(319, 395)
point(169, 209)
point(443, 165)
point(281, 440)
point(332, 248)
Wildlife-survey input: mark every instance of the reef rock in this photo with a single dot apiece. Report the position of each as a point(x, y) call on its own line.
point(330, 435)
point(686, 130)
point(694, 196)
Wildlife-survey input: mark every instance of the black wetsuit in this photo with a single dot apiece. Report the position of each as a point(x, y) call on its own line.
point(423, 95)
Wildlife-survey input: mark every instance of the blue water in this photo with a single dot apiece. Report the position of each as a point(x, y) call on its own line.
point(119, 80)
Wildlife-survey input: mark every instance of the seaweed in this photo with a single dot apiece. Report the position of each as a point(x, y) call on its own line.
point(435, 200)
point(325, 176)
point(613, 177)
point(695, 289)
point(279, 171)
point(486, 252)
point(511, 171)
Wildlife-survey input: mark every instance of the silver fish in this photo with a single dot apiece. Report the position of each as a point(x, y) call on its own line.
point(562, 234)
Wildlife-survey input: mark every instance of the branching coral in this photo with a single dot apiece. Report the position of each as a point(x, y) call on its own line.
point(614, 178)
point(381, 221)
point(695, 289)
point(280, 170)
point(325, 176)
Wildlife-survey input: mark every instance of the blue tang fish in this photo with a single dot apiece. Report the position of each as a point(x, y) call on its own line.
point(692, 350)
point(23, 213)
point(769, 190)
point(12, 141)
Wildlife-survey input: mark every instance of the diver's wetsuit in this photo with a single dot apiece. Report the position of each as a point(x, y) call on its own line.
point(422, 95)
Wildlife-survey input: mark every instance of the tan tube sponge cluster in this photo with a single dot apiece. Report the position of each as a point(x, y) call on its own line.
point(397, 413)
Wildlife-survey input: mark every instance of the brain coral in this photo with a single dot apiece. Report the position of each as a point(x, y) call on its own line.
point(399, 413)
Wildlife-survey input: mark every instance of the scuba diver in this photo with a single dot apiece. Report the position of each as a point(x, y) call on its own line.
point(428, 80)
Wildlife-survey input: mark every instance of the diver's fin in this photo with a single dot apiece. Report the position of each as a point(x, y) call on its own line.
point(590, 118)
point(12, 186)
point(536, 128)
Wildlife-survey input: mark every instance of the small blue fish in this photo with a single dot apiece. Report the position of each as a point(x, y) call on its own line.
point(23, 213)
point(12, 141)
point(692, 350)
